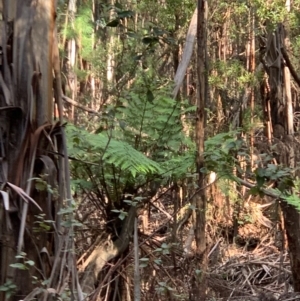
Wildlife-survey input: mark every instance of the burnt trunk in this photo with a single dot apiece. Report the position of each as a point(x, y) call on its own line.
point(292, 226)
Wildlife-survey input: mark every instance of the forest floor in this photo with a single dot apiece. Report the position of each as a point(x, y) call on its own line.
point(253, 266)
point(250, 265)
point(261, 274)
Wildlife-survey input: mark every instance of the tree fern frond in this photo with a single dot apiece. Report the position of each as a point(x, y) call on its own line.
point(109, 150)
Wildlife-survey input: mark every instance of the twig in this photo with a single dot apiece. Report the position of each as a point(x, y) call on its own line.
point(214, 247)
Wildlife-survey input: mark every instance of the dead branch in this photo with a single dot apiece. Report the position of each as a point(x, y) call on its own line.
point(268, 192)
point(78, 105)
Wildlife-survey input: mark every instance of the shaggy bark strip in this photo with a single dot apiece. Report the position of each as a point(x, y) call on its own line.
point(106, 252)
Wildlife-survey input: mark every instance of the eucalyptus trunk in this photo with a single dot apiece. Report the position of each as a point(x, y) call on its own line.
point(71, 63)
point(29, 141)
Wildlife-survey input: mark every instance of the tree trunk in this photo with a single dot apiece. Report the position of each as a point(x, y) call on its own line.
point(281, 112)
point(27, 140)
point(71, 64)
point(292, 227)
point(200, 212)
point(200, 125)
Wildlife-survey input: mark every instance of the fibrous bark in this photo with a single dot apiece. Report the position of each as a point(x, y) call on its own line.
point(106, 252)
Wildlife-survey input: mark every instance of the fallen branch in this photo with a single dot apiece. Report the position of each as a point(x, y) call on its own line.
point(272, 193)
point(78, 105)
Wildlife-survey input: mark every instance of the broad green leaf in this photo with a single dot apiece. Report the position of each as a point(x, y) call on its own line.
point(30, 262)
point(19, 266)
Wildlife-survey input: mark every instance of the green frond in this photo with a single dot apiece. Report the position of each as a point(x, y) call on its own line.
point(293, 200)
point(108, 150)
point(156, 123)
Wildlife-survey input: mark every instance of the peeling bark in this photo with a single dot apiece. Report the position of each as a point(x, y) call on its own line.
point(106, 252)
point(26, 81)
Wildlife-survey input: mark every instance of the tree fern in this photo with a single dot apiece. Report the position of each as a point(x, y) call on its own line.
point(102, 149)
point(154, 123)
